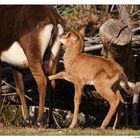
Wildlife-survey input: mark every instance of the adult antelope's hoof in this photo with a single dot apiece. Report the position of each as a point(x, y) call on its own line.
point(38, 125)
point(47, 126)
point(28, 123)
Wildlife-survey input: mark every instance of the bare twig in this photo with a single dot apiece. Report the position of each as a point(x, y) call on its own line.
point(2, 104)
point(112, 7)
point(9, 94)
point(132, 8)
point(8, 84)
point(136, 22)
point(136, 38)
point(136, 29)
point(135, 13)
point(56, 122)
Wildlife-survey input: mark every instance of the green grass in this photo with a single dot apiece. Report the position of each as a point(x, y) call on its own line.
point(61, 132)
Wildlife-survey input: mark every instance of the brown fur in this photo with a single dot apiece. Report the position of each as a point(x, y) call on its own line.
point(23, 23)
point(82, 69)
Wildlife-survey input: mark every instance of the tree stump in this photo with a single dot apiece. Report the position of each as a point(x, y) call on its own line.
point(114, 32)
point(116, 36)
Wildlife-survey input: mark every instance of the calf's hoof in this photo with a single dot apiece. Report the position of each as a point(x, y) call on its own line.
point(113, 128)
point(73, 126)
point(102, 128)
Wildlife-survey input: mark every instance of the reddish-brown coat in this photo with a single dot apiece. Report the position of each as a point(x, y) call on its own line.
point(82, 69)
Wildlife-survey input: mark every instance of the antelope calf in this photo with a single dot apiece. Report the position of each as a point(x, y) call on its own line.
point(26, 34)
point(82, 69)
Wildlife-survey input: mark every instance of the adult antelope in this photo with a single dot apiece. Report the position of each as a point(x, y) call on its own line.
point(82, 69)
point(26, 34)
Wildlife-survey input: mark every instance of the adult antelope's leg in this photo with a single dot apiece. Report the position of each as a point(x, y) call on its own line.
point(52, 67)
point(41, 83)
point(51, 96)
point(20, 91)
point(50, 112)
point(77, 101)
point(31, 48)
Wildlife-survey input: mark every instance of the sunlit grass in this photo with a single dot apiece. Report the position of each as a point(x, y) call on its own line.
point(58, 132)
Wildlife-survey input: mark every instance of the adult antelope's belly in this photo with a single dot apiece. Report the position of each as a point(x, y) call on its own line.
point(15, 56)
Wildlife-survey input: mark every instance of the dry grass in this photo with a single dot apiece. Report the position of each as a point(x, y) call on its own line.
point(10, 131)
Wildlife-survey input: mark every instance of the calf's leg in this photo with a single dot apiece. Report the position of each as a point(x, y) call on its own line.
point(77, 101)
point(60, 75)
point(118, 111)
point(113, 100)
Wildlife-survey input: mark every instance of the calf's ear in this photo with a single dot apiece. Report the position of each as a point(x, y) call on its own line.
point(82, 31)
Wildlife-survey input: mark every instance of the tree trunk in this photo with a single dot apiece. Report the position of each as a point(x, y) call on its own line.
point(135, 105)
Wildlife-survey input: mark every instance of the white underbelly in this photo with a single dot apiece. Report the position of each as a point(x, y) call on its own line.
point(15, 55)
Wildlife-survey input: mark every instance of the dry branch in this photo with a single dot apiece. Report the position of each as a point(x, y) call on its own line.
point(93, 47)
point(135, 29)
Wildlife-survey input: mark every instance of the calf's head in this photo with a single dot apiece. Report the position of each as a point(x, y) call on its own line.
point(72, 38)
